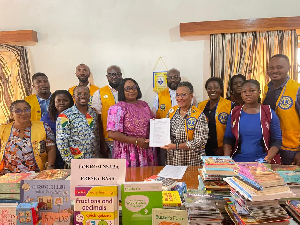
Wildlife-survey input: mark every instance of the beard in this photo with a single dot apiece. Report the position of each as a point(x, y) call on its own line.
point(114, 86)
point(83, 80)
point(172, 86)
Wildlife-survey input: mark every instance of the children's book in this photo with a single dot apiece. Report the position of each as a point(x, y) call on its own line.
point(171, 199)
point(55, 174)
point(27, 213)
point(51, 218)
point(138, 200)
point(51, 195)
point(169, 217)
point(218, 162)
point(8, 213)
point(96, 205)
point(10, 182)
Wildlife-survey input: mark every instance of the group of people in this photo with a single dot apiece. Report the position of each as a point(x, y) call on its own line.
point(51, 129)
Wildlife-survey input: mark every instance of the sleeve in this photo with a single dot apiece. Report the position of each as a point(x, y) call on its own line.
point(97, 137)
point(155, 104)
point(115, 119)
point(63, 133)
point(228, 136)
point(275, 135)
point(96, 102)
point(297, 103)
point(200, 134)
point(50, 137)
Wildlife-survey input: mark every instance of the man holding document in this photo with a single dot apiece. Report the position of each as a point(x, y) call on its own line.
point(188, 130)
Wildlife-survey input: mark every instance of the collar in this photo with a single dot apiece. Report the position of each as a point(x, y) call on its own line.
point(39, 98)
point(270, 84)
point(76, 110)
point(112, 89)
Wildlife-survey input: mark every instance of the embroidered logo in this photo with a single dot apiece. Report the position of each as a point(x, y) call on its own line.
point(162, 107)
point(267, 125)
point(223, 117)
point(286, 102)
point(191, 122)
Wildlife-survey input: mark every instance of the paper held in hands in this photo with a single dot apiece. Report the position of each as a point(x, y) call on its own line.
point(159, 132)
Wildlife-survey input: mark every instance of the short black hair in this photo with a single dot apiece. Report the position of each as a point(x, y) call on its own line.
point(39, 74)
point(217, 79)
point(14, 103)
point(51, 109)
point(78, 87)
point(252, 81)
point(186, 84)
point(121, 95)
point(233, 77)
point(281, 56)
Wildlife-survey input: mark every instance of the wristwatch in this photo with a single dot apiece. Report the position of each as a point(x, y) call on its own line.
point(177, 146)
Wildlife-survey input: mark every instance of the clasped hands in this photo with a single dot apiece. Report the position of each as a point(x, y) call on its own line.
point(142, 142)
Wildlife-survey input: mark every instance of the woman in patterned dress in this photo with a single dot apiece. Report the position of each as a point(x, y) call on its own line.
point(25, 145)
point(128, 123)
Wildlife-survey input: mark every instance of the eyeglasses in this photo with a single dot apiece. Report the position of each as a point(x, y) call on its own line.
point(114, 74)
point(19, 111)
point(82, 95)
point(128, 88)
point(182, 95)
point(173, 77)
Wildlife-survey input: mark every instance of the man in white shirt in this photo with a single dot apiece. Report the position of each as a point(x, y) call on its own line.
point(105, 97)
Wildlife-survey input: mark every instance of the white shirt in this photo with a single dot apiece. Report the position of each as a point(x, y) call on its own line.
point(96, 101)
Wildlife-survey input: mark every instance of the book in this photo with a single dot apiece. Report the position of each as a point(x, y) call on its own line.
point(51, 218)
point(218, 162)
point(169, 217)
point(138, 199)
point(171, 199)
point(10, 182)
point(51, 195)
point(219, 171)
point(8, 213)
point(27, 213)
point(96, 205)
point(54, 174)
point(167, 183)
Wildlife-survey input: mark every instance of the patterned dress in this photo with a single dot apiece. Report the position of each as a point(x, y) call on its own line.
point(18, 154)
point(132, 119)
point(77, 135)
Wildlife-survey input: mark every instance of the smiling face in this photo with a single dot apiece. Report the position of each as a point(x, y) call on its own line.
point(213, 90)
point(21, 113)
point(41, 85)
point(184, 97)
point(82, 73)
point(173, 79)
point(250, 93)
point(114, 76)
point(81, 96)
point(62, 102)
point(130, 91)
point(278, 69)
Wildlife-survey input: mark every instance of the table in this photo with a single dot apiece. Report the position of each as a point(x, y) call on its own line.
point(134, 174)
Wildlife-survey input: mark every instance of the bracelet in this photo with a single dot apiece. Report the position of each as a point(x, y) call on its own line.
point(177, 146)
point(50, 165)
point(136, 141)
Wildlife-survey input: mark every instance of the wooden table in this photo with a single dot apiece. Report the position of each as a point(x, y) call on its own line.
point(134, 174)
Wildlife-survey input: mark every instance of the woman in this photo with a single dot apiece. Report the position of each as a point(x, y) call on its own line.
point(60, 100)
point(25, 145)
point(253, 130)
point(216, 109)
point(188, 130)
point(128, 123)
point(235, 84)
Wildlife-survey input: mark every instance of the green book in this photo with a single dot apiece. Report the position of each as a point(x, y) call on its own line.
point(138, 199)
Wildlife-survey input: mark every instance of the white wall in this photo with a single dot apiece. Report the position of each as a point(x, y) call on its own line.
point(129, 33)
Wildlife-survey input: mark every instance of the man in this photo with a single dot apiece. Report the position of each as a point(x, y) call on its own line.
point(77, 134)
point(83, 73)
point(39, 102)
point(107, 96)
point(283, 95)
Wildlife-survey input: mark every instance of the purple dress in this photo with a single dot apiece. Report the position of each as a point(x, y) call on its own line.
point(132, 119)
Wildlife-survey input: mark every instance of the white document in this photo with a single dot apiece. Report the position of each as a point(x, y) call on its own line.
point(159, 132)
point(173, 172)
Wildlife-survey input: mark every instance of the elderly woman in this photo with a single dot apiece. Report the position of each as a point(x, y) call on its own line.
point(216, 109)
point(189, 130)
point(26, 145)
point(128, 123)
point(60, 100)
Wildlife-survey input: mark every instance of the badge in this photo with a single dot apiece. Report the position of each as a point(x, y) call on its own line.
point(223, 117)
point(191, 122)
point(105, 96)
point(171, 110)
point(162, 107)
point(285, 103)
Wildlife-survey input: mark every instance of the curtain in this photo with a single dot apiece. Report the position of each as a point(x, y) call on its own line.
point(249, 54)
point(15, 80)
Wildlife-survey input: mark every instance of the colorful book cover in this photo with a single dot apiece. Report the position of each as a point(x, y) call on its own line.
point(10, 182)
point(55, 174)
point(218, 161)
point(51, 195)
point(27, 213)
point(51, 218)
point(96, 205)
point(169, 217)
point(171, 198)
point(138, 199)
point(8, 214)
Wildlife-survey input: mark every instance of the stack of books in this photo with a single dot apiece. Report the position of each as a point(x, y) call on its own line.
point(171, 200)
point(254, 194)
point(293, 207)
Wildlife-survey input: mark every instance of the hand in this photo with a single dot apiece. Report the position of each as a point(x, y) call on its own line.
point(50, 168)
point(219, 151)
point(142, 143)
point(169, 147)
point(297, 159)
point(268, 159)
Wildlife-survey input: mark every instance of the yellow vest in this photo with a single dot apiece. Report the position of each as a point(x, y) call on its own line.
point(190, 121)
point(107, 100)
point(164, 104)
point(288, 116)
point(37, 135)
point(92, 88)
point(222, 112)
point(36, 112)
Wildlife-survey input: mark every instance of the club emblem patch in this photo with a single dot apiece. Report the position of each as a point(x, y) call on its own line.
point(162, 107)
point(191, 122)
point(285, 103)
point(223, 117)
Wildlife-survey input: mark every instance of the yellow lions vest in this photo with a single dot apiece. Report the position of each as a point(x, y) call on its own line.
point(288, 116)
point(164, 104)
point(222, 112)
point(37, 134)
point(190, 121)
point(36, 112)
point(92, 88)
point(107, 100)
